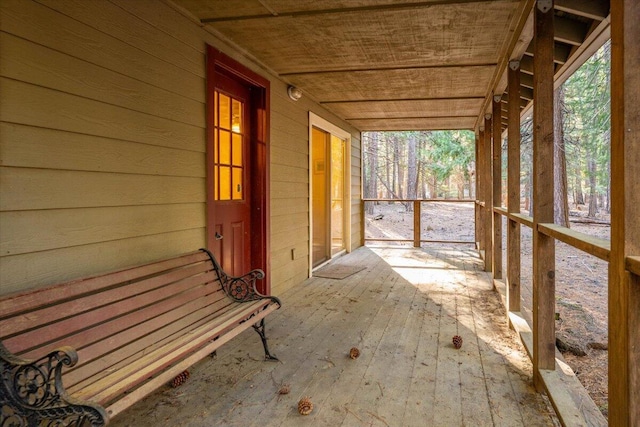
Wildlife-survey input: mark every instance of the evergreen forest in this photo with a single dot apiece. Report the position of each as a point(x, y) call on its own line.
point(441, 164)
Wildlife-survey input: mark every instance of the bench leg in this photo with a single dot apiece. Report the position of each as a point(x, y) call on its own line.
point(259, 327)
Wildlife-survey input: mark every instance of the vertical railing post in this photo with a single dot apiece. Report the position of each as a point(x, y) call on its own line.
point(362, 222)
point(496, 188)
point(488, 199)
point(417, 226)
point(543, 246)
point(513, 188)
point(476, 208)
point(624, 286)
point(480, 194)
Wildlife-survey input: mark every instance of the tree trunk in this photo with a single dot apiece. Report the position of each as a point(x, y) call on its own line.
point(579, 198)
point(560, 199)
point(395, 173)
point(593, 199)
point(412, 170)
point(372, 181)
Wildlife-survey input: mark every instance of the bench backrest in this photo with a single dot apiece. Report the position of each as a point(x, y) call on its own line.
point(113, 316)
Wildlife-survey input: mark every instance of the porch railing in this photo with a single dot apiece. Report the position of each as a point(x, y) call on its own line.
point(417, 221)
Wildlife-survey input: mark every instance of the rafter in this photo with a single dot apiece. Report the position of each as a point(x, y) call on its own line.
point(592, 9)
point(569, 31)
point(385, 7)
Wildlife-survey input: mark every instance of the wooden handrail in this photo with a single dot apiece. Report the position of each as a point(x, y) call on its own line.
point(500, 210)
point(521, 219)
point(595, 246)
point(632, 263)
point(421, 200)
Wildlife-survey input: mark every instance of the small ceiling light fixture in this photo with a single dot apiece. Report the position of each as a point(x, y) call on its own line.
point(294, 93)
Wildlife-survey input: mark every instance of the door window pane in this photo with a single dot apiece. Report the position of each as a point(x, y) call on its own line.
point(224, 111)
point(237, 150)
point(229, 150)
point(225, 147)
point(237, 186)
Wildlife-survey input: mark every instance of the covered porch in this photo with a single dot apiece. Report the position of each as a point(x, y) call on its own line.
point(107, 156)
point(401, 311)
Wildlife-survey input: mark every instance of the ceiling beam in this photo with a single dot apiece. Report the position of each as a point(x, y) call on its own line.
point(561, 52)
point(300, 13)
point(411, 117)
point(526, 64)
point(526, 93)
point(355, 101)
point(355, 70)
point(526, 80)
point(592, 9)
point(569, 31)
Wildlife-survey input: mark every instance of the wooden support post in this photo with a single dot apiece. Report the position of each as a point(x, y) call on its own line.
point(496, 188)
point(362, 222)
point(624, 286)
point(480, 193)
point(476, 210)
point(544, 302)
point(513, 188)
point(417, 226)
point(488, 202)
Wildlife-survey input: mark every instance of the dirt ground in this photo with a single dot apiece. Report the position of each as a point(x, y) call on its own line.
point(581, 280)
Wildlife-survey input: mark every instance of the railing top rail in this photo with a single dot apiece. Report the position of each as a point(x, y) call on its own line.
point(421, 200)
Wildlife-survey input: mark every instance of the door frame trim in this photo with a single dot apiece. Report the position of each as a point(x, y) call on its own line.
point(260, 143)
point(327, 126)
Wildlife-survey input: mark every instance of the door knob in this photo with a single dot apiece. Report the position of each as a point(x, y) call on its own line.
point(218, 236)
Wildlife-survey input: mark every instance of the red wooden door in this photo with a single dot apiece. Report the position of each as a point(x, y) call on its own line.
point(232, 175)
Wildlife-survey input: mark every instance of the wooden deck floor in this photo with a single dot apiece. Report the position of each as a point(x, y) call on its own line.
point(401, 312)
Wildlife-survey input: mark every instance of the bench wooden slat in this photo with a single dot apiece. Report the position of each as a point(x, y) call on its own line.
point(109, 355)
point(11, 305)
point(114, 384)
point(61, 309)
point(109, 331)
point(166, 376)
point(57, 330)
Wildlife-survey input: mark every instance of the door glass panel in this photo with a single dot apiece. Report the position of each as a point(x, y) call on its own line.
point(237, 184)
point(225, 147)
point(236, 150)
point(319, 197)
point(224, 111)
point(236, 116)
point(225, 183)
point(215, 114)
point(229, 148)
point(337, 194)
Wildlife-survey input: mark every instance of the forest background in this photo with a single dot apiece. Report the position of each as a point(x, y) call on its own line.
point(441, 164)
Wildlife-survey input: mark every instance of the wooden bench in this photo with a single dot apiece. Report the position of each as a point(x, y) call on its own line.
point(119, 337)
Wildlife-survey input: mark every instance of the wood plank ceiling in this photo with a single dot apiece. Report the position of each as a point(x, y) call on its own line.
point(397, 64)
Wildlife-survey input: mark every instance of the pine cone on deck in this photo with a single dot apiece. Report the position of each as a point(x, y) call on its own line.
point(180, 379)
point(305, 406)
point(457, 341)
point(354, 353)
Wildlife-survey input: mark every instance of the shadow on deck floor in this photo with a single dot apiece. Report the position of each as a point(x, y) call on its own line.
point(401, 312)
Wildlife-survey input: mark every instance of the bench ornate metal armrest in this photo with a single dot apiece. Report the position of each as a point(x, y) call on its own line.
point(243, 289)
point(32, 394)
point(240, 288)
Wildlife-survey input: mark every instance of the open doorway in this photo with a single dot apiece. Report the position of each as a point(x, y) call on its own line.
point(329, 204)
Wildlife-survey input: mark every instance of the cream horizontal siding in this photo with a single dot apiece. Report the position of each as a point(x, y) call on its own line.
point(48, 27)
point(102, 142)
point(34, 147)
